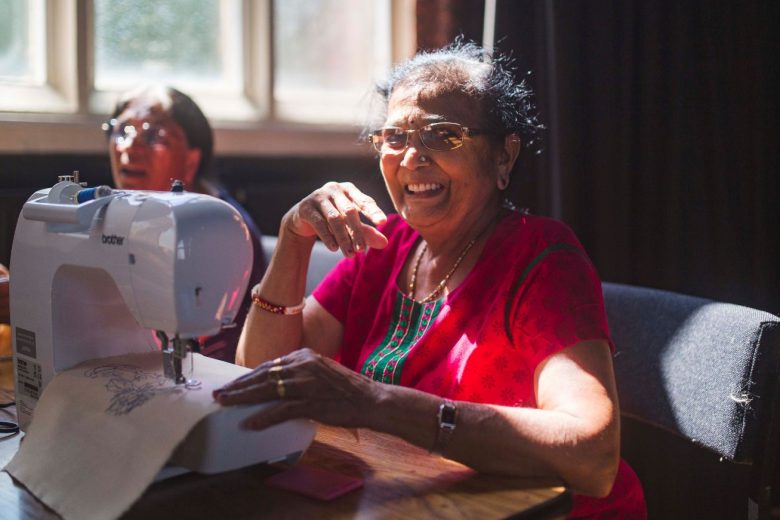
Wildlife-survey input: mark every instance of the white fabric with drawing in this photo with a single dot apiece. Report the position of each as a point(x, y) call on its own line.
point(103, 430)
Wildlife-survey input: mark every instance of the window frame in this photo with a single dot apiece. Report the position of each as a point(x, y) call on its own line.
point(65, 115)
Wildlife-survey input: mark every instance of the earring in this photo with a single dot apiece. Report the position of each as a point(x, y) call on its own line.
point(423, 158)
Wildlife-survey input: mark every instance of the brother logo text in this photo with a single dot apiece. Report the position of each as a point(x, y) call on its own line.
point(113, 240)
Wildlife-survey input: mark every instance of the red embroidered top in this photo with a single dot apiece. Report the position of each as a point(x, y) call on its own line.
point(532, 293)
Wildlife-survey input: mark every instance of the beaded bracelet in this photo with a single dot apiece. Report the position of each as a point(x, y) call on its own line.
point(277, 309)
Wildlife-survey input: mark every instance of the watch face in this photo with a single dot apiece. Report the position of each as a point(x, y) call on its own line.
point(447, 414)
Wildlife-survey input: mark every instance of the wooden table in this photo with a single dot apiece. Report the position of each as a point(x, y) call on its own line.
point(400, 481)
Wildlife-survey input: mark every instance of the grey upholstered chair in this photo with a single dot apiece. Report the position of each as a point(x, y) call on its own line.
point(322, 260)
point(698, 387)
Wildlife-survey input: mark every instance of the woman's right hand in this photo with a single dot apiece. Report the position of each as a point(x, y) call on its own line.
point(332, 213)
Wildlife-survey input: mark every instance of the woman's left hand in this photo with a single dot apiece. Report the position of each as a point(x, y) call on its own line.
point(312, 386)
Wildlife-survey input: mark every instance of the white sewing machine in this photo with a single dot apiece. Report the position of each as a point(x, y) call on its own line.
point(99, 272)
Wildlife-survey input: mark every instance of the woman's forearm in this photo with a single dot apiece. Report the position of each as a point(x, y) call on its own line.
point(508, 440)
point(267, 335)
point(331, 213)
point(573, 435)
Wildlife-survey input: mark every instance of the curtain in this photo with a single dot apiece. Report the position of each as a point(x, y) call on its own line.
point(661, 143)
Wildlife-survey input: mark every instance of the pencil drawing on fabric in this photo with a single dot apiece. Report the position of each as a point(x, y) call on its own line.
point(130, 386)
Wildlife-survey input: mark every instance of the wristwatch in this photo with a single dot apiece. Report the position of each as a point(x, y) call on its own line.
point(447, 417)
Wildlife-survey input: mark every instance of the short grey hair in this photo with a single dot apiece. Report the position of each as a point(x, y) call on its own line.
point(464, 67)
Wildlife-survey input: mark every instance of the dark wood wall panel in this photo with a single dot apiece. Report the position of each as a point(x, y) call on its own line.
point(22, 175)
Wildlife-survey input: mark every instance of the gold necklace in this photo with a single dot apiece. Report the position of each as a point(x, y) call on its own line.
point(434, 295)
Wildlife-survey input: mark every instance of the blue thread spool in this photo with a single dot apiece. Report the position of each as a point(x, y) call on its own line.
point(88, 194)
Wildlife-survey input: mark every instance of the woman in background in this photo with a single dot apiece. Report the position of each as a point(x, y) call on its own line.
point(156, 135)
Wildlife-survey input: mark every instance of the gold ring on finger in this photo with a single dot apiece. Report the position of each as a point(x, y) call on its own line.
point(275, 373)
point(280, 389)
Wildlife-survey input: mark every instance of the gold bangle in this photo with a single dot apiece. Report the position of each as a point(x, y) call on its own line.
point(277, 309)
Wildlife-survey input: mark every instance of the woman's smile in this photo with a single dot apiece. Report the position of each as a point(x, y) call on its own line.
point(428, 189)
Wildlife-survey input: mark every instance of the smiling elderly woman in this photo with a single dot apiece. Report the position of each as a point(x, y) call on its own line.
point(458, 323)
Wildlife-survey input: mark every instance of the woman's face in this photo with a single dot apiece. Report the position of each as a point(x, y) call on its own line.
point(149, 149)
point(451, 189)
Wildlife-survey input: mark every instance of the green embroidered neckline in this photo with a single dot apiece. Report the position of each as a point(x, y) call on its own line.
point(410, 321)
